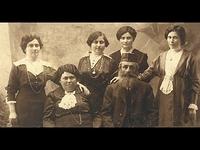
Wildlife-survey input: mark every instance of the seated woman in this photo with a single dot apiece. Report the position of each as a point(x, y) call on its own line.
point(67, 106)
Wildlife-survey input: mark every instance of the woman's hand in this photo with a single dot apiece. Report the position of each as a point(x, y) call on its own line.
point(83, 88)
point(192, 116)
point(12, 119)
point(114, 80)
point(12, 115)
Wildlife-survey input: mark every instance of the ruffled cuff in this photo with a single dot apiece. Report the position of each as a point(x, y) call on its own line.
point(193, 106)
point(10, 102)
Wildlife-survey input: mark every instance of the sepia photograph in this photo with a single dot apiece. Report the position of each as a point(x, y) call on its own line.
point(99, 74)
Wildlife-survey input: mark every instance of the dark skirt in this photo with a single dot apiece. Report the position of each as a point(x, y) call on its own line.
point(96, 101)
point(166, 109)
point(170, 114)
point(74, 120)
point(29, 108)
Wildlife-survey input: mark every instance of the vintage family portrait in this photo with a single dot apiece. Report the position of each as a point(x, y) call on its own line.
point(99, 74)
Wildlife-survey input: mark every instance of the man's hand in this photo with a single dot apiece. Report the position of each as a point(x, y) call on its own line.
point(114, 80)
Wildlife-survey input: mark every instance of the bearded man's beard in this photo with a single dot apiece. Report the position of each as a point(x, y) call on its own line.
point(127, 74)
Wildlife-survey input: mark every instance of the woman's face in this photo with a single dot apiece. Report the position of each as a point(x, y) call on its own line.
point(68, 82)
point(98, 46)
point(33, 49)
point(173, 40)
point(126, 40)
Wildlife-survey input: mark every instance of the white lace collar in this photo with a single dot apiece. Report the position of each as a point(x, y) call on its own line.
point(123, 51)
point(34, 67)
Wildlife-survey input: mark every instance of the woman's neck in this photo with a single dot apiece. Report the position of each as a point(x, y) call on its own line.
point(126, 49)
point(178, 49)
point(96, 55)
point(31, 59)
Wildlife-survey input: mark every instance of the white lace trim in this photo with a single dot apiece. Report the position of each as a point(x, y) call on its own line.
point(33, 67)
point(68, 101)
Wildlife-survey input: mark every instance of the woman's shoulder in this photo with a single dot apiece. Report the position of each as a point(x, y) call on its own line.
point(45, 63)
point(107, 57)
point(84, 58)
point(20, 62)
point(163, 52)
point(136, 51)
point(48, 66)
point(56, 93)
point(115, 53)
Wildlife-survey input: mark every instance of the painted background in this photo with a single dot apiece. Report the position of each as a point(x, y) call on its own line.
point(66, 42)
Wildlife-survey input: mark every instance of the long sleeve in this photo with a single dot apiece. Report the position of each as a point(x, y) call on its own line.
point(194, 75)
point(82, 68)
point(106, 111)
point(13, 84)
point(151, 108)
point(50, 72)
point(80, 63)
point(151, 71)
point(144, 65)
point(48, 114)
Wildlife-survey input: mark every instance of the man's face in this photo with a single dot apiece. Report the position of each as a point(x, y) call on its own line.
point(68, 82)
point(127, 69)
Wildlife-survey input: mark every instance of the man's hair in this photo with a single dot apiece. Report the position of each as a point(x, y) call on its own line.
point(135, 70)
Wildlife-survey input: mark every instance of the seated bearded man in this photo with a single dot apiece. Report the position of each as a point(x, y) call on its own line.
point(128, 102)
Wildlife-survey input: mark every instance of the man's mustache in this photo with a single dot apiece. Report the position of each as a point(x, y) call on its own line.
point(128, 75)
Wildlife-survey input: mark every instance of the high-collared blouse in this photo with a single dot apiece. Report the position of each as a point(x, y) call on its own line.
point(171, 62)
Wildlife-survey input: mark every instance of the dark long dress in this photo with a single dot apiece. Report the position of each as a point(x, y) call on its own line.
point(96, 79)
point(27, 90)
point(78, 116)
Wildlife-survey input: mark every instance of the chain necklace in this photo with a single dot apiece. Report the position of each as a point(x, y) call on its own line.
point(93, 70)
point(32, 88)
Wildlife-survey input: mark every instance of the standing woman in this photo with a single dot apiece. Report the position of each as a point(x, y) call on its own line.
point(96, 69)
point(126, 36)
point(179, 84)
point(25, 90)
